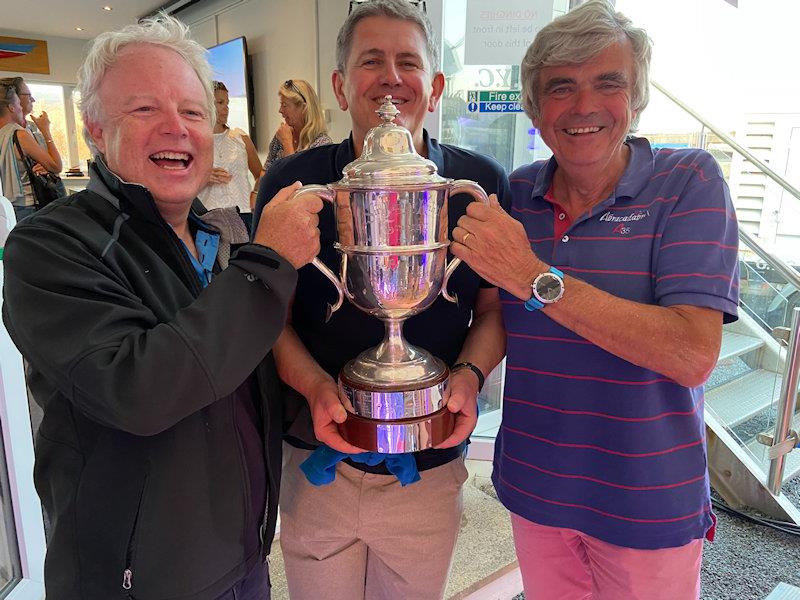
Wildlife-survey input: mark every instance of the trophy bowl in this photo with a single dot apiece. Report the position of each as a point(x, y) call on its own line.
point(392, 233)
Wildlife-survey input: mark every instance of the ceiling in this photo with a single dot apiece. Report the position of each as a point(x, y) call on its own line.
point(61, 17)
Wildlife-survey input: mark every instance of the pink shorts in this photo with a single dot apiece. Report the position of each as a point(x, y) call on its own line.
point(564, 564)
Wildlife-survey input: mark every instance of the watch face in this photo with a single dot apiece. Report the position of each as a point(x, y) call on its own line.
point(548, 287)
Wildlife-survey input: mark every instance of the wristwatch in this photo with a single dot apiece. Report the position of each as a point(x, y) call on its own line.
point(547, 288)
point(473, 368)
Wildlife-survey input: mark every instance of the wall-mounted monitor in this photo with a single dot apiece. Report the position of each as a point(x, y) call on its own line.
point(231, 66)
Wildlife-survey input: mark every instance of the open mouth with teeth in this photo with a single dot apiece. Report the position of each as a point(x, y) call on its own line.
point(172, 161)
point(582, 130)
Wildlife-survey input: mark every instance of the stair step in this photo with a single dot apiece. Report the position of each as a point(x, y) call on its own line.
point(738, 400)
point(784, 591)
point(736, 344)
point(792, 464)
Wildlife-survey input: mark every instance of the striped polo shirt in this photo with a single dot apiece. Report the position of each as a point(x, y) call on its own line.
point(589, 441)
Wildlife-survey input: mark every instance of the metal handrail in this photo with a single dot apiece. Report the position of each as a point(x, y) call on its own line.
point(732, 143)
point(783, 439)
point(791, 274)
point(786, 404)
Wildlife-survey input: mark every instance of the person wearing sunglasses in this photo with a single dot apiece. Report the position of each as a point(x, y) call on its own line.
point(16, 186)
point(303, 124)
point(38, 126)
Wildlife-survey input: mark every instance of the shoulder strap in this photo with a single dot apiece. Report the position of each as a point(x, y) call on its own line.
point(27, 160)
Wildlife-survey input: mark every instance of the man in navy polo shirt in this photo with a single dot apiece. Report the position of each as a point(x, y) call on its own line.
point(365, 534)
point(620, 265)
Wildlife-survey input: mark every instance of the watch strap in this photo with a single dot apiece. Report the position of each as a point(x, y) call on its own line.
point(473, 368)
point(533, 304)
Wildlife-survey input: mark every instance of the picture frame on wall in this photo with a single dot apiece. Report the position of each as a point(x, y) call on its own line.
point(23, 55)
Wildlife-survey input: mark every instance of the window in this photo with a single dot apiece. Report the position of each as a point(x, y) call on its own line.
point(50, 99)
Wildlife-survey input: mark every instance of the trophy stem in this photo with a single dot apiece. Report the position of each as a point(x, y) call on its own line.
point(394, 349)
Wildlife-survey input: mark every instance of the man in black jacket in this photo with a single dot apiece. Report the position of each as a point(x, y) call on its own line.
point(158, 457)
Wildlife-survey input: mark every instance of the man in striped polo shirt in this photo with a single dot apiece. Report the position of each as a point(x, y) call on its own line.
point(620, 266)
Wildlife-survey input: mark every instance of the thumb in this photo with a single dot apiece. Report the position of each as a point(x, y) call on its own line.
point(284, 194)
point(337, 412)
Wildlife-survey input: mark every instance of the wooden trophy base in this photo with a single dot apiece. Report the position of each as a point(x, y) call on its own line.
point(400, 435)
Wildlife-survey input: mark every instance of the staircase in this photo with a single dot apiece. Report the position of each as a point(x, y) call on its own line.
point(743, 390)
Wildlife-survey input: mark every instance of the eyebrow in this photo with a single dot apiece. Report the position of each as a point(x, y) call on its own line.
point(613, 76)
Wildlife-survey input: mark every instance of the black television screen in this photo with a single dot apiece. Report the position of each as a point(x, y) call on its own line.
point(231, 66)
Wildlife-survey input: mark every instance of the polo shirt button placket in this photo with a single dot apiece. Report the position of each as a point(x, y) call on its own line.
point(565, 239)
point(562, 216)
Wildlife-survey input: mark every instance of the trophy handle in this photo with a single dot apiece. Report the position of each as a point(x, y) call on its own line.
point(461, 186)
point(326, 193)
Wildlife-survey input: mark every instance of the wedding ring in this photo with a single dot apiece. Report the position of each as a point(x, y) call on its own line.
point(464, 240)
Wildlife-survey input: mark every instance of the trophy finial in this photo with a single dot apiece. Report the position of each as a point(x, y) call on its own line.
point(388, 111)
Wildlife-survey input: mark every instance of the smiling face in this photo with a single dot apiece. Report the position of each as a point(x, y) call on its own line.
point(585, 110)
point(155, 129)
point(387, 56)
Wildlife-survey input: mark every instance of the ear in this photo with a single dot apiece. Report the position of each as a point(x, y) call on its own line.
point(437, 89)
point(337, 80)
point(95, 131)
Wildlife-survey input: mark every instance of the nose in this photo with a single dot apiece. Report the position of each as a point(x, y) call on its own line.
point(585, 100)
point(172, 123)
point(391, 74)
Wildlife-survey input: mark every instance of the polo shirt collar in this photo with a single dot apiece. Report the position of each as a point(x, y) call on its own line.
point(636, 176)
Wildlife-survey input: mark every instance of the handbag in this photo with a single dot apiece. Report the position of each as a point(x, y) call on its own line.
point(45, 188)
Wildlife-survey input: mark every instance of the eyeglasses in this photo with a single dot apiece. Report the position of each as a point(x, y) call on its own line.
point(420, 4)
point(289, 85)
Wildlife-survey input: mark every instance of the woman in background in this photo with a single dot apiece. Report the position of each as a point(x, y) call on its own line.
point(38, 126)
point(234, 154)
point(303, 124)
point(16, 186)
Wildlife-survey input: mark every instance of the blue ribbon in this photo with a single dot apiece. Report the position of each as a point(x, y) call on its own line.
point(320, 467)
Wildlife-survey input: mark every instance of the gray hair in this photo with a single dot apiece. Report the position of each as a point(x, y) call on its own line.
point(161, 30)
point(393, 9)
point(578, 36)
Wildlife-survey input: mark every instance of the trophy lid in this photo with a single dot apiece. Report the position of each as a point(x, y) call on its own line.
point(389, 157)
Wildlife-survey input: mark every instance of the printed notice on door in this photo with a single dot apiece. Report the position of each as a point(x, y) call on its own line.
point(499, 31)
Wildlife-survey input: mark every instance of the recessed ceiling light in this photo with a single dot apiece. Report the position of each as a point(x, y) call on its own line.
point(79, 29)
point(107, 8)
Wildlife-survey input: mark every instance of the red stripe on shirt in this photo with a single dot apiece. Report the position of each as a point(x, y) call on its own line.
point(638, 488)
point(699, 243)
point(546, 338)
point(600, 448)
point(692, 167)
point(607, 272)
point(591, 377)
point(701, 210)
point(530, 211)
point(616, 238)
point(589, 413)
point(600, 512)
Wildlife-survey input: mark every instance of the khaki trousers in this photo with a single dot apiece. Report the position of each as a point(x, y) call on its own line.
point(365, 536)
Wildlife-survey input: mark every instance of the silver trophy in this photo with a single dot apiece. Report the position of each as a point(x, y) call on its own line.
point(391, 218)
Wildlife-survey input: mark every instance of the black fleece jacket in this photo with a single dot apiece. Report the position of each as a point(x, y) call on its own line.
point(139, 465)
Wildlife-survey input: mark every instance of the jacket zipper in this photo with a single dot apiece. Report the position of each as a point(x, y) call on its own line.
point(127, 574)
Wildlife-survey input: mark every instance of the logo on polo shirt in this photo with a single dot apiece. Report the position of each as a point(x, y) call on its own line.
point(622, 221)
point(637, 216)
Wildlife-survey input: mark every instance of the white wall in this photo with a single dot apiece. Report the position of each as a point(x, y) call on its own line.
point(65, 56)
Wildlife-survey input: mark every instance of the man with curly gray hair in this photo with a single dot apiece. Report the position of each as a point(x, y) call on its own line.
point(619, 262)
point(148, 324)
